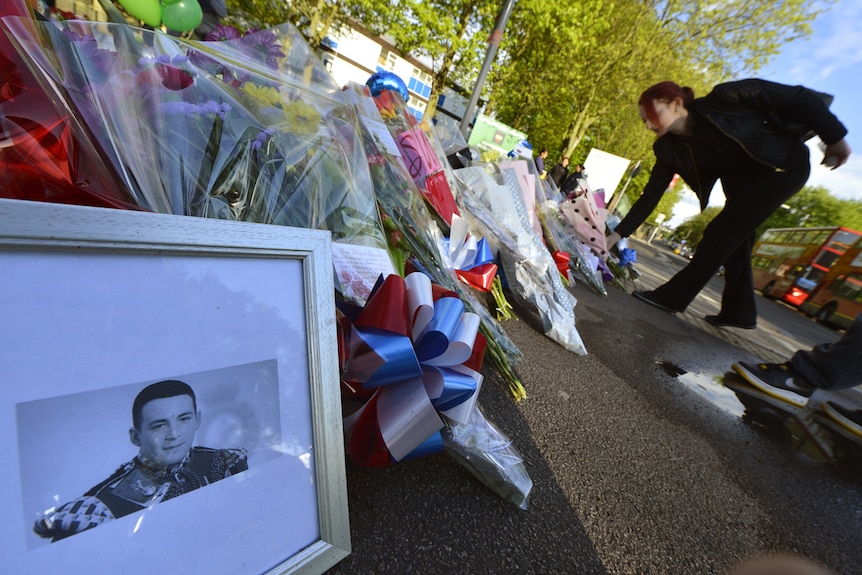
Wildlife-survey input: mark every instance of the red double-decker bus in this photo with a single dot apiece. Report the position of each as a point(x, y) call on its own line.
point(837, 299)
point(789, 263)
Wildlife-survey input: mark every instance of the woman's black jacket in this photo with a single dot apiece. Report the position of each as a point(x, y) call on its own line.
point(767, 119)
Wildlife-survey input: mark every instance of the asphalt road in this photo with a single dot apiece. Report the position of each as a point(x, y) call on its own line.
point(640, 462)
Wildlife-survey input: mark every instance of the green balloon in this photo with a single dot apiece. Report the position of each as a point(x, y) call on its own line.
point(148, 11)
point(182, 16)
point(166, 2)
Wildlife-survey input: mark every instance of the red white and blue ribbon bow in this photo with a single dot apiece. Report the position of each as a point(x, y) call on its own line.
point(471, 259)
point(412, 358)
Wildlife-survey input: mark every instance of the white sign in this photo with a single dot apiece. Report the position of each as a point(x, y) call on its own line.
point(604, 171)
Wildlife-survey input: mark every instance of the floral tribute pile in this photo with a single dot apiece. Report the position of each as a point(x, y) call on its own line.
point(251, 127)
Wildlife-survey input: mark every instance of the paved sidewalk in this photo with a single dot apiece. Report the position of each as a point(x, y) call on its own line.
point(634, 472)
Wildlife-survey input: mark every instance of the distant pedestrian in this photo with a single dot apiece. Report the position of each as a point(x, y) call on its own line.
point(749, 134)
point(540, 161)
point(574, 184)
point(559, 172)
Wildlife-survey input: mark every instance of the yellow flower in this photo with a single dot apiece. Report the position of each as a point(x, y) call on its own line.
point(266, 95)
point(301, 117)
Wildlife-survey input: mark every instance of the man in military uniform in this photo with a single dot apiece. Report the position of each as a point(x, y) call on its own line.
point(164, 422)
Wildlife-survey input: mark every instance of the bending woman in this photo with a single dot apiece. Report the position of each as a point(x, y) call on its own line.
point(749, 134)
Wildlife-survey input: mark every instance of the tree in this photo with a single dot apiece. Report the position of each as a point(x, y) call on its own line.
point(451, 33)
point(570, 74)
point(605, 56)
point(692, 229)
point(815, 207)
point(313, 18)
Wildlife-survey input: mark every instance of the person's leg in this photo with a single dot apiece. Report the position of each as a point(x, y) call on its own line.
point(738, 295)
point(833, 365)
point(751, 196)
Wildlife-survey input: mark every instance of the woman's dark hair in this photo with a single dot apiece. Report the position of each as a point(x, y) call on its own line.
point(666, 91)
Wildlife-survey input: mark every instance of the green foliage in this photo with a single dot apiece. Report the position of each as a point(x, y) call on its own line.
point(815, 207)
point(453, 34)
point(313, 18)
point(692, 229)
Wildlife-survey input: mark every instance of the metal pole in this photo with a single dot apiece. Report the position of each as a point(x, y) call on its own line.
point(493, 43)
point(616, 199)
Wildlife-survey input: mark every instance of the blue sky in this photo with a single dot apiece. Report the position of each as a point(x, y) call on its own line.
point(830, 60)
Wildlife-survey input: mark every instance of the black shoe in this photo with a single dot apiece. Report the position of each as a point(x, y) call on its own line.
point(718, 321)
point(647, 296)
point(778, 380)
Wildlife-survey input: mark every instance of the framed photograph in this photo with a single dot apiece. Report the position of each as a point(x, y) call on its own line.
point(170, 397)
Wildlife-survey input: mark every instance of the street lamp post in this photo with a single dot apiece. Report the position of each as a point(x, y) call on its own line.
point(490, 53)
point(616, 199)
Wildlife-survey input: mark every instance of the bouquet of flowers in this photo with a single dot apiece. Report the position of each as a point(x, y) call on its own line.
point(413, 230)
point(41, 159)
point(419, 157)
point(498, 207)
point(251, 127)
point(561, 236)
point(410, 361)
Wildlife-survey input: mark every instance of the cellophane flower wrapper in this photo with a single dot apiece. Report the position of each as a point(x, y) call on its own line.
point(449, 135)
point(419, 157)
point(41, 158)
point(490, 456)
point(498, 207)
point(417, 230)
point(560, 233)
point(252, 128)
point(479, 277)
point(588, 220)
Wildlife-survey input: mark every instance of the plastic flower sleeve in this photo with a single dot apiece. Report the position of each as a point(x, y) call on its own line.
point(490, 456)
point(416, 151)
point(561, 234)
point(533, 277)
point(252, 128)
point(415, 230)
point(41, 159)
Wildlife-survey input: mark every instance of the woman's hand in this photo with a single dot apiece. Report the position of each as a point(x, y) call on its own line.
point(612, 239)
point(836, 154)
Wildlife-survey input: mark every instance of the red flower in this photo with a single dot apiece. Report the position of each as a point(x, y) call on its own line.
point(174, 78)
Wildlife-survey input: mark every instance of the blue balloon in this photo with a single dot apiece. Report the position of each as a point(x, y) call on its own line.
point(387, 81)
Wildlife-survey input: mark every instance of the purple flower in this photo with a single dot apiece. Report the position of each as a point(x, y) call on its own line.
point(263, 45)
point(221, 33)
point(261, 139)
point(210, 107)
point(89, 51)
